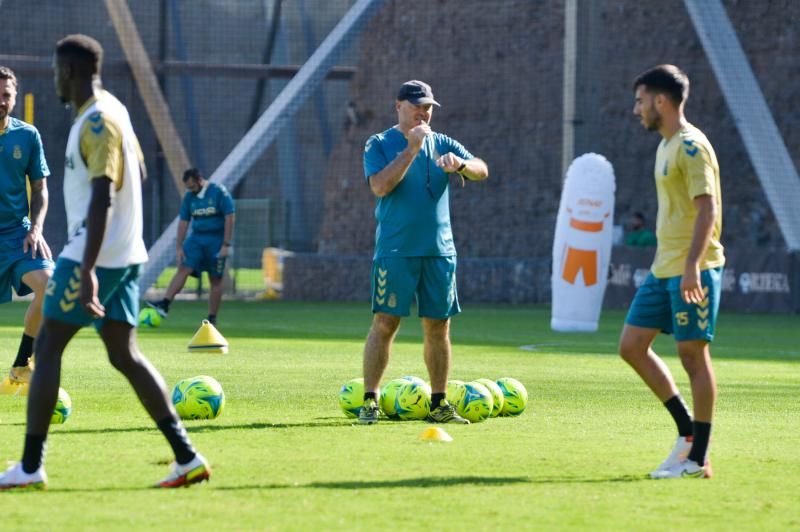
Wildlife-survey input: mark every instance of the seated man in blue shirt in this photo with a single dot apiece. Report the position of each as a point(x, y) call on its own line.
point(210, 209)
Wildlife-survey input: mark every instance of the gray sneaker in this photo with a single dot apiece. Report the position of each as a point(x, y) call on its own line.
point(369, 412)
point(446, 413)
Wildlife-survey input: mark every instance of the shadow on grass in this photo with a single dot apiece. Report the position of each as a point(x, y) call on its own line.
point(434, 482)
point(421, 482)
point(322, 423)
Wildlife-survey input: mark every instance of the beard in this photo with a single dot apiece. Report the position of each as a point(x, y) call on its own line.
point(652, 120)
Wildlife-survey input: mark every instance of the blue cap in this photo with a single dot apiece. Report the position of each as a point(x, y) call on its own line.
point(417, 93)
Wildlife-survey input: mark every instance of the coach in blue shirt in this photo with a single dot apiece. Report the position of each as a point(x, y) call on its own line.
point(409, 167)
point(25, 258)
point(210, 209)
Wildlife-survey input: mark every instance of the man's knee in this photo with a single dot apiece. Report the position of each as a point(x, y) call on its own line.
point(693, 355)
point(37, 281)
point(436, 328)
point(629, 350)
point(123, 359)
point(385, 325)
point(634, 343)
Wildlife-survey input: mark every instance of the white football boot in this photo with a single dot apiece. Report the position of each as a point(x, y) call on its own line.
point(195, 471)
point(684, 469)
point(16, 478)
point(680, 451)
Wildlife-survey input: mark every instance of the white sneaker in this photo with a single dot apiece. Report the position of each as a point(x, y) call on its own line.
point(16, 478)
point(684, 469)
point(680, 452)
point(195, 471)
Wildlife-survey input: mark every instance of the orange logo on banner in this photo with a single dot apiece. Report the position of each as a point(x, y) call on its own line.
point(580, 259)
point(589, 227)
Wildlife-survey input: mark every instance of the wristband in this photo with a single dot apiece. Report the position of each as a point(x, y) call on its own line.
point(227, 244)
point(461, 168)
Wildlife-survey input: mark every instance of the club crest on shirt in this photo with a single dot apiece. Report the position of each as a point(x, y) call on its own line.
point(17, 153)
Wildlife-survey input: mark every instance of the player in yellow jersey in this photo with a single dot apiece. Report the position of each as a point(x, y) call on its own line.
point(96, 275)
point(681, 294)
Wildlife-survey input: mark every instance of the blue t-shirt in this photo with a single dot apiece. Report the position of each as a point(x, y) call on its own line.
point(414, 218)
point(21, 154)
point(207, 209)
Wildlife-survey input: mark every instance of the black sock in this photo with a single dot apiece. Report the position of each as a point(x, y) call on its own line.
point(176, 435)
point(680, 414)
point(24, 352)
point(437, 399)
point(33, 454)
point(370, 395)
point(702, 434)
point(165, 303)
point(212, 319)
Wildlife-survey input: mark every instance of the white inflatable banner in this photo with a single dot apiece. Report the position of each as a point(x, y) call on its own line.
point(582, 244)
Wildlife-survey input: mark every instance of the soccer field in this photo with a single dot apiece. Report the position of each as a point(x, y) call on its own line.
point(284, 457)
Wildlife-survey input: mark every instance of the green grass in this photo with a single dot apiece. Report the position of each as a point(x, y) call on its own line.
point(247, 279)
point(285, 457)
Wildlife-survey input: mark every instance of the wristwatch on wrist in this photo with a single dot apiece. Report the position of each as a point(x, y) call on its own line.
point(462, 167)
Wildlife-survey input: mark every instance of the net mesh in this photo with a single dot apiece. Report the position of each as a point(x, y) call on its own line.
point(497, 67)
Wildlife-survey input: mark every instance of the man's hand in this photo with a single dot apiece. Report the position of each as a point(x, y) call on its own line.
point(36, 243)
point(224, 251)
point(449, 162)
point(179, 256)
point(691, 288)
point(416, 136)
point(89, 300)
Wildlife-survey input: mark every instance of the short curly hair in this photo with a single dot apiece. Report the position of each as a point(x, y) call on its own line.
point(85, 51)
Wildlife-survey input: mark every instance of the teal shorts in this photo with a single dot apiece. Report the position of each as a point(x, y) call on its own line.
point(432, 280)
point(14, 263)
point(118, 291)
point(658, 305)
point(200, 254)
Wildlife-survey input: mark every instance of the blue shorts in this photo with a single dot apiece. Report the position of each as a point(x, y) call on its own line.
point(397, 280)
point(200, 254)
point(118, 291)
point(658, 305)
point(14, 263)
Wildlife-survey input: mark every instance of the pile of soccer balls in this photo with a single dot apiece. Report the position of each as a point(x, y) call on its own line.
point(198, 397)
point(409, 398)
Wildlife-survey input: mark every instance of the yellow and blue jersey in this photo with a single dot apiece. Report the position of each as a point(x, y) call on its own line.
point(686, 167)
point(414, 218)
point(101, 146)
point(21, 154)
point(207, 209)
